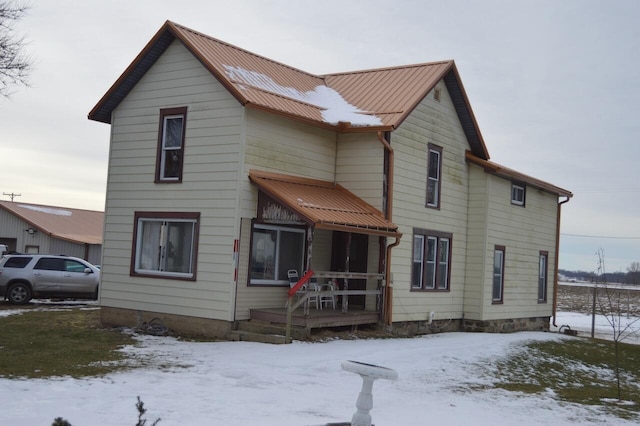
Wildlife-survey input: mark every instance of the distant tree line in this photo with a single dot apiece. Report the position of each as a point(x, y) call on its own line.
point(632, 276)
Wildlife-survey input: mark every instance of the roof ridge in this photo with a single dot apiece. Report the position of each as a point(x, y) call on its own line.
point(233, 46)
point(397, 67)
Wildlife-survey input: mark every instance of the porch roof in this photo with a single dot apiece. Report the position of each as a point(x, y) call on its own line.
point(323, 204)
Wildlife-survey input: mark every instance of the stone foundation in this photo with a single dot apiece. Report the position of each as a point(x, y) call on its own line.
point(507, 325)
point(177, 324)
point(415, 328)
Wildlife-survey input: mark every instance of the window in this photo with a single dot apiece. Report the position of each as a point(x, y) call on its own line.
point(17, 262)
point(517, 194)
point(542, 277)
point(434, 166)
point(171, 145)
point(275, 250)
point(431, 260)
point(165, 244)
point(498, 274)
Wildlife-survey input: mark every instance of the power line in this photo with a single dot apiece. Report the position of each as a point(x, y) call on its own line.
point(600, 236)
point(12, 195)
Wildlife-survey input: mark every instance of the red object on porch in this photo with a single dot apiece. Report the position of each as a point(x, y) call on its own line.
point(306, 277)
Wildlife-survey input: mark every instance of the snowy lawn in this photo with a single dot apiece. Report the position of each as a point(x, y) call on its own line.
point(444, 379)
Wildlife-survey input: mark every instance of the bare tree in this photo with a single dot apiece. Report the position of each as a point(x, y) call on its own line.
point(611, 305)
point(14, 64)
point(633, 273)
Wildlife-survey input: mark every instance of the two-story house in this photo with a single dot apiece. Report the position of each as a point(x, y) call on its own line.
point(227, 170)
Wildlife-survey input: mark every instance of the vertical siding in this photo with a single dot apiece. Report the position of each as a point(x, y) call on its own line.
point(210, 177)
point(524, 231)
point(431, 122)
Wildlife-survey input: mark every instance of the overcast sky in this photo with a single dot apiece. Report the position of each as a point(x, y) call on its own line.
point(554, 85)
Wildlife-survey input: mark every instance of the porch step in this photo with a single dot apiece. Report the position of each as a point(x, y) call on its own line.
point(267, 328)
point(247, 336)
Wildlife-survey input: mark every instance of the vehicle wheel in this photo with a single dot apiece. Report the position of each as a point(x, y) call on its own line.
point(19, 294)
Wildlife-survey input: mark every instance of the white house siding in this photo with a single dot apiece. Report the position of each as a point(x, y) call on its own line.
point(524, 232)
point(431, 122)
point(476, 244)
point(280, 145)
point(359, 166)
point(210, 176)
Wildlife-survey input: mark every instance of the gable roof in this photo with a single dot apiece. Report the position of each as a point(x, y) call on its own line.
point(369, 100)
point(78, 226)
point(323, 204)
point(513, 175)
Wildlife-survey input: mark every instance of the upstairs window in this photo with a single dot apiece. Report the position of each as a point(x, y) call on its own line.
point(518, 192)
point(170, 156)
point(431, 260)
point(434, 171)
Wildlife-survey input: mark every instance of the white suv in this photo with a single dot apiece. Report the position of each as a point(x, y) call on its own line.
point(27, 276)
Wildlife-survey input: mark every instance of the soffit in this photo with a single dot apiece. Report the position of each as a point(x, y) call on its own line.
point(78, 226)
point(324, 204)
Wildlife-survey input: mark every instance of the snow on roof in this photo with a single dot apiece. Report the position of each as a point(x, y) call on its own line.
point(47, 210)
point(334, 107)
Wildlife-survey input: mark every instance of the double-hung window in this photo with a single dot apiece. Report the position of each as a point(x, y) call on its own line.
point(274, 251)
point(542, 277)
point(434, 175)
point(431, 260)
point(497, 294)
point(518, 192)
point(165, 244)
point(170, 157)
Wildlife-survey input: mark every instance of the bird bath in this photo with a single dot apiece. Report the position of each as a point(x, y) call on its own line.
point(369, 374)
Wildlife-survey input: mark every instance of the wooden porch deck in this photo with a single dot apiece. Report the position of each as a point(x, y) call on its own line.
point(317, 318)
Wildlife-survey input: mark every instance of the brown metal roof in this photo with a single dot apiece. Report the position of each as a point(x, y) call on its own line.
point(497, 169)
point(78, 226)
point(324, 204)
point(379, 99)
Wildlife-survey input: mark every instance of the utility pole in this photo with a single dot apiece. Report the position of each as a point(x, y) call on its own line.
point(12, 195)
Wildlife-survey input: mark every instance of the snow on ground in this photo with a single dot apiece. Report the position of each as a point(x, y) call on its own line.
point(244, 383)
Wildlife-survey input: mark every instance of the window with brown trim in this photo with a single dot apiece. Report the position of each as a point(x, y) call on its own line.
point(431, 268)
point(165, 244)
point(434, 175)
point(518, 194)
point(170, 156)
point(497, 294)
point(275, 250)
point(542, 276)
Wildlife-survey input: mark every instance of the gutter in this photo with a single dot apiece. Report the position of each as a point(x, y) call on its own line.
point(387, 306)
point(557, 267)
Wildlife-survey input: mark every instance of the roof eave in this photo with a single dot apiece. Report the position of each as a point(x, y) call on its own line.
point(143, 62)
point(504, 172)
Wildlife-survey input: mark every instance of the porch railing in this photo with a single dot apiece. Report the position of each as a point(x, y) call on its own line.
point(345, 292)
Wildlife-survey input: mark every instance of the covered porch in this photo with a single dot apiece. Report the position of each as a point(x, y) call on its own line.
point(304, 225)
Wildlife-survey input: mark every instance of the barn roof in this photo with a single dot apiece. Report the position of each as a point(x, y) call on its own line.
point(75, 225)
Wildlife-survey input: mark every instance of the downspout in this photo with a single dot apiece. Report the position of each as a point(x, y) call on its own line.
point(387, 307)
point(557, 267)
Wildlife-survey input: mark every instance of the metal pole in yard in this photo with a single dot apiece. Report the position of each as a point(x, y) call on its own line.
point(593, 312)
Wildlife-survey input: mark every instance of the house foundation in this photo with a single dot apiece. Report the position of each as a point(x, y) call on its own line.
point(507, 325)
point(176, 324)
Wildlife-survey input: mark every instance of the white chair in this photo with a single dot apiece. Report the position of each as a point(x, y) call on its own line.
point(327, 298)
point(306, 288)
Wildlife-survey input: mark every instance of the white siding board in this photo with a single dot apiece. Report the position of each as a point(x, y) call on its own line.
point(210, 173)
point(437, 123)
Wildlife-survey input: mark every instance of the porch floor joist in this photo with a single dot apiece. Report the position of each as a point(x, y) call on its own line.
point(324, 318)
